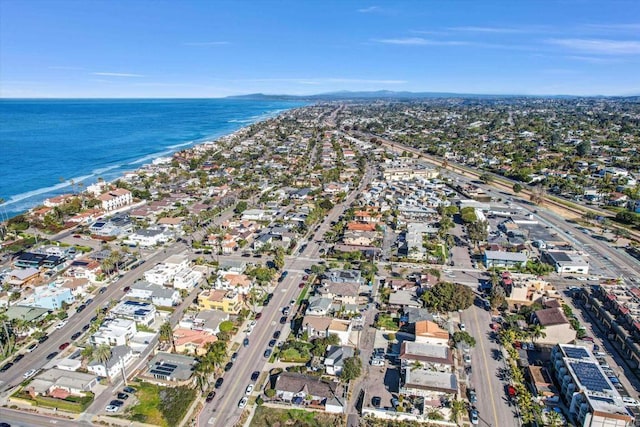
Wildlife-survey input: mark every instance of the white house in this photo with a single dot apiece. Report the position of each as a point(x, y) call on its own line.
point(114, 199)
point(186, 279)
point(335, 357)
point(115, 332)
point(140, 312)
point(121, 356)
point(148, 237)
point(158, 295)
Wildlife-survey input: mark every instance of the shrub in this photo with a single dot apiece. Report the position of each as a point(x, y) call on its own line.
point(270, 393)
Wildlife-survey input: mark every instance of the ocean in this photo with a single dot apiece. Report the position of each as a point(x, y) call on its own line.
point(44, 144)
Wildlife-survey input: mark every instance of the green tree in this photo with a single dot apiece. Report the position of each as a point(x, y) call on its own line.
point(226, 326)
point(464, 336)
point(497, 297)
point(351, 369)
point(102, 354)
point(240, 207)
point(517, 188)
point(447, 296)
point(486, 178)
point(166, 335)
point(458, 407)
point(536, 331)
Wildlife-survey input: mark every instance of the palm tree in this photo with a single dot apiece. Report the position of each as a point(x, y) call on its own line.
point(166, 335)
point(86, 353)
point(102, 354)
point(216, 354)
point(457, 408)
point(536, 331)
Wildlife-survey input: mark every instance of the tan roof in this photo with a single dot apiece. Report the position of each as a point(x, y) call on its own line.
point(319, 323)
point(551, 316)
point(426, 328)
point(170, 221)
point(339, 325)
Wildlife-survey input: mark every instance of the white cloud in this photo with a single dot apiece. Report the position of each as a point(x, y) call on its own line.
point(419, 41)
point(473, 29)
point(370, 9)
point(600, 46)
point(204, 44)
point(108, 74)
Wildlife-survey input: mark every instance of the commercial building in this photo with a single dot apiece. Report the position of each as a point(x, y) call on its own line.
point(592, 399)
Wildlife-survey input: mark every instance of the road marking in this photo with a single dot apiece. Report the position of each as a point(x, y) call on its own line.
point(486, 367)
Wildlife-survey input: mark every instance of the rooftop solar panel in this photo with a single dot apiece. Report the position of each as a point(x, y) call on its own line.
point(576, 352)
point(590, 376)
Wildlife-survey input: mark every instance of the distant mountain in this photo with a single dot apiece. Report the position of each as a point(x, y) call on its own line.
point(388, 94)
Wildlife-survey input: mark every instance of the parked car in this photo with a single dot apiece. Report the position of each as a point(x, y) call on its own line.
point(375, 401)
point(219, 382)
point(6, 367)
point(122, 396)
point(249, 389)
point(589, 339)
point(258, 315)
point(102, 290)
point(267, 353)
point(29, 373)
point(301, 285)
point(467, 359)
point(129, 390)
point(473, 416)
point(630, 401)
point(76, 336)
point(473, 397)
point(112, 408)
point(283, 320)
point(228, 366)
point(245, 342)
point(32, 347)
point(210, 396)
point(243, 402)
point(255, 375)
point(272, 343)
point(63, 346)
point(52, 355)
point(18, 358)
point(463, 327)
point(43, 339)
point(276, 335)
point(117, 403)
point(234, 356)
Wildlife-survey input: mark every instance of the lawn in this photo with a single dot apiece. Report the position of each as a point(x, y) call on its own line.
point(294, 417)
point(387, 322)
point(160, 406)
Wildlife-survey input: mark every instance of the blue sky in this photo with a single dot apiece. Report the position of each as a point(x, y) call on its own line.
point(186, 48)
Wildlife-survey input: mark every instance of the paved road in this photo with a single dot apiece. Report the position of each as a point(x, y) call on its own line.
point(223, 410)
point(28, 419)
point(37, 358)
point(486, 359)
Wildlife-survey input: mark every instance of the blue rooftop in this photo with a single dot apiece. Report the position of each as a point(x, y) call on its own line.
point(590, 376)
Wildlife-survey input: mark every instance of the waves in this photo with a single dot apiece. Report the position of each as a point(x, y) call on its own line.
point(90, 146)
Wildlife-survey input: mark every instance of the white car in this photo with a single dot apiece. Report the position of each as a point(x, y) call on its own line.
point(463, 327)
point(29, 373)
point(249, 389)
point(112, 408)
point(377, 362)
point(582, 279)
point(243, 402)
point(61, 324)
point(253, 323)
point(630, 401)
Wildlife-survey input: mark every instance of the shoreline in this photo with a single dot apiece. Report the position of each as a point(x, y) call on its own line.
point(92, 176)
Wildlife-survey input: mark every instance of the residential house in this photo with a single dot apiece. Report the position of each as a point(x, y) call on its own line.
point(158, 295)
point(192, 341)
point(140, 312)
point(434, 386)
point(340, 328)
point(115, 199)
point(318, 306)
point(22, 277)
point(428, 332)
point(404, 299)
point(343, 293)
point(171, 367)
point(121, 356)
point(426, 356)
point(74, 383)
point(504, 259)
point(148, 237)
point(50, 297)
point(301, 389)
point(335, 357)
point(557, 328)
point(226, 301)
point(115, 332)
